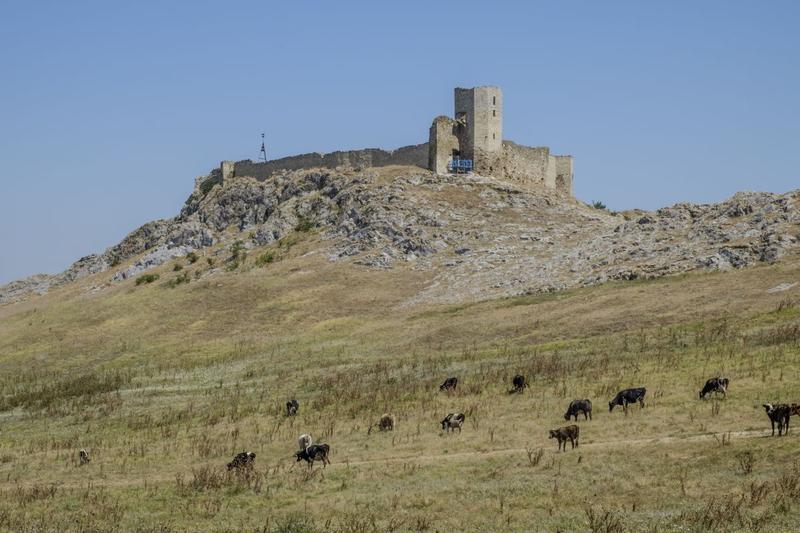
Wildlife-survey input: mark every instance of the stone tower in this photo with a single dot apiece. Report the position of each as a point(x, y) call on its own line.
point(476, 134)
point(479, 118)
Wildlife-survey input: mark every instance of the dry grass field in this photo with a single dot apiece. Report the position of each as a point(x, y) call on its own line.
point(163, 383)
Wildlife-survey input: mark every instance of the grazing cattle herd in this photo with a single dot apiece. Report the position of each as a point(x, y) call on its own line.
point(779, 414)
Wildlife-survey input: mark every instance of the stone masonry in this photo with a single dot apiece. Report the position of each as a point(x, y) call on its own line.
point(476, 133)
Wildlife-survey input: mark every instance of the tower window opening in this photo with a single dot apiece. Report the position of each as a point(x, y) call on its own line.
point(493, 136)
point(494, 100)
point(494, 112)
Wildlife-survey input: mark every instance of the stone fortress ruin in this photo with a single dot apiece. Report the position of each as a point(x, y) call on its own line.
point(470, 142)
point(475, 136)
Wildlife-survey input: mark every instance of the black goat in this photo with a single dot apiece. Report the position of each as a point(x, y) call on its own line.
point(291, 407)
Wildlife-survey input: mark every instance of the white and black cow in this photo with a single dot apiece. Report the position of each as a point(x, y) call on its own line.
point(452, 422)
point(779, 413)
point(716, 385)
point(315, 452)
point(242, 460)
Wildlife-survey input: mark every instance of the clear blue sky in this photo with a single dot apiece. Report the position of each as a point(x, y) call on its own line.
point(108, 110)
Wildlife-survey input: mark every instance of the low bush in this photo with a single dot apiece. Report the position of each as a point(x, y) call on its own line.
point(146, 278)
point(265, 259)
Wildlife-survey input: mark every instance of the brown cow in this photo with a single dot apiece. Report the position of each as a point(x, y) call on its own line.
point(570, 433)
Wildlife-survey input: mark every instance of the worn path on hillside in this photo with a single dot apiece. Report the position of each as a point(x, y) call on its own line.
point(141, 480)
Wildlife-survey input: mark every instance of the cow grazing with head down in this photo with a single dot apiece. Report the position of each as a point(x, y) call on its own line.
point(716, 385)
point(452, 422)
point(628, 396)
point(579, 406)
point(315, 452)
point(780, 414)
point(386, 423)
point(518, 384)
point(83, 457)
point(291, 407)
point(449, 384)
point(242, 460)
point(562, 435)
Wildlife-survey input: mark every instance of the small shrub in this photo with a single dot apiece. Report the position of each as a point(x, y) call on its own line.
point(238, 256)
point(598, 205)
point(304, 225)
point(192, 258)
point(210, 261)
point(179, 280)
point(146, 278)
point(265, 259)
point(747, 460)
point(237, 249)
point(534, 457)
point(177, 267)
point(604, 521)
point(207, 185)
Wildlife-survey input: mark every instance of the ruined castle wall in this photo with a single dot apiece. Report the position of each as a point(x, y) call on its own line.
point(564, 174)
point(525, 164)
point(550, 174)
point(227, 170)
point(442, 143)
point(415, 155)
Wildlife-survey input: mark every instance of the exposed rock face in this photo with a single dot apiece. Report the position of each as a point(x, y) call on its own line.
point(481, 237)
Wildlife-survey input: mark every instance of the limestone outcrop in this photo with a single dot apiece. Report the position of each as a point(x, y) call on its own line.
point(480, 237)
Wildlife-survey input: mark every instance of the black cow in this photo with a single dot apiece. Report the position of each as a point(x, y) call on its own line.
point(715, 385)
point(449, 384)
point(242, 460)
point(291, 407)
point(627, 396)
point(579, 406)
point(780, 413)
point(518, 384)
point(315, 452)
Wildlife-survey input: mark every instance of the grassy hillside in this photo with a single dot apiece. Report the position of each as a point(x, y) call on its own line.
point(164, 382)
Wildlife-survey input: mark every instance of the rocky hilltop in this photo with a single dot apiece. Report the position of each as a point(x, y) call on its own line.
point(482, 237)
